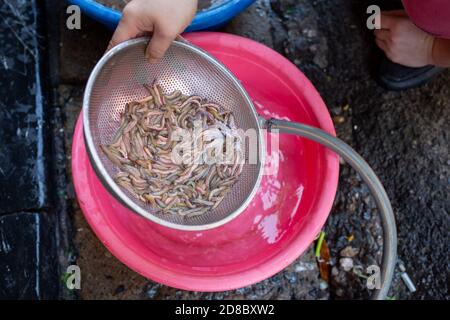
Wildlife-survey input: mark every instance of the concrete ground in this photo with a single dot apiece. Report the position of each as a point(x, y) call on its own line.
point(29, 211)
point(403, 135)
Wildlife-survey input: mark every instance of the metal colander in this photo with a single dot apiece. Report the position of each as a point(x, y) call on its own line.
point(118, 78)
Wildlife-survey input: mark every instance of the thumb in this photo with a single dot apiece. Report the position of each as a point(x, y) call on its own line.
point(388, 21)
point(158, 46)
point(125, 30)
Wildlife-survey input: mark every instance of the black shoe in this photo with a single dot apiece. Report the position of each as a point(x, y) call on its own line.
point(393, 76)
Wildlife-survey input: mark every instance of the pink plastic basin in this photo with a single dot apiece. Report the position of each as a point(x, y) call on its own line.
point(281, 222)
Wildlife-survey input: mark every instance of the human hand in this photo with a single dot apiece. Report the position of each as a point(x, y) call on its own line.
point(163, 19)
point(402, 41)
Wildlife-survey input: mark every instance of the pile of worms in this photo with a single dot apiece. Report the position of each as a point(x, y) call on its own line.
point(143, 145)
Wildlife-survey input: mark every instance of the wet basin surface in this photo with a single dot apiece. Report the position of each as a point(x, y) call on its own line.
point(290, 208)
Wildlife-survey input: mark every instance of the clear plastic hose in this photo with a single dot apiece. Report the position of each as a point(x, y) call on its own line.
point(370, 178)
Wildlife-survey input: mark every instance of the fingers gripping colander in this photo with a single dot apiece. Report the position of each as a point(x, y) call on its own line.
point(119, 77)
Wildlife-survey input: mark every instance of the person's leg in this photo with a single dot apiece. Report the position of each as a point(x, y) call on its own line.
point(432, 16)
point(413, 55)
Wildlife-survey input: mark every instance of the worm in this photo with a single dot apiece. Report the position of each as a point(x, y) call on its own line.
point(142, 146)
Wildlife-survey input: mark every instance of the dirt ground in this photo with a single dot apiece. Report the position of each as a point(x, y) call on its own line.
point(403, 135)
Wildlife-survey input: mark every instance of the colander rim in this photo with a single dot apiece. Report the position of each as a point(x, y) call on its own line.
point(109, 183)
